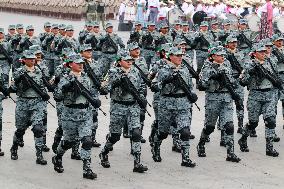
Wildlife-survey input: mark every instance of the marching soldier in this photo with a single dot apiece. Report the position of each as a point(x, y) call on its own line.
point(227, 30)
point(260, 76)
point(163, 36)
point(245, 36)
point(47, 30)
point(11, 32)
point(126, 86)
point(68, 41)
point(29, 39)
point(30, 105)
point(176, 97)
point(215, 29)
point(217, 80)
point(136, 35)
point(76, 104)
point(85, 32)
point(176, 30)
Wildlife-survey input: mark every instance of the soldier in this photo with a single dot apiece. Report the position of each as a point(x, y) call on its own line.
point(126, 88)
point(262, 99)
point(11, 32)
point(28, 39)
point(148, 42)
point(5, 57)
point(30, 104)
point(164, 36)
point(92, 69)
point(245, 36)
point(68, 41)
point(140, 64)
point(216, 78)
point(75, 116)
point(227, 30)
point(176, 30)
point(47, 30)
point(15, 41)
point(187, 36)
point(201, 42)
point(176, 98)
point(215, 29)
point(85, 32)
point(62, 29)
point(109, 44)
point(136, 35)
point(94, 38)
point(236, 59)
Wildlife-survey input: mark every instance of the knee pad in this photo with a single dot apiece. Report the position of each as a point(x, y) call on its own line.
point(162, 135)
point(20, 133)
point(209, 129)
point(113, 137)
point(252, 125)
point(38, 131)
point(66, 145)
point(142, 116)
point(270, 122)
point(87, 143)
point(229, 128)
point(136, 135)
point(184, 134)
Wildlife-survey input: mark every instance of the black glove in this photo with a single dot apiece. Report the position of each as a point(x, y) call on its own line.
point(96, 103)
point(68, 87)
point(154, 88)
point(216, 76)
point(194, 98)
point(103, 91)
point(45, 97)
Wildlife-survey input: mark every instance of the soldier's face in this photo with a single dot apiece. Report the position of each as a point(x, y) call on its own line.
point(96, 29)
point(176, 59)
point(214, 26)
point(243, 26)
point(164, 30)
point(47, 29)
point(268, 49)
point(20, 30)
point(87, 54)
point(260, 55)
point(126, 63)
point(232, 45)
point(227, 27)
point(29, 62)
point(138, 27)
point(182, 46)
point(62, 32)
point(177, 27)
point(55, 31)
point(109, 30)
point(135, 53)
point(12, 31)
point(185, 28)
point(203, 28)
point(70, 33)
point(1, 35)
point(30, 32)
point(278, 43)
point(218, 58)
point(76, 67)
point(89, 28)
point(151, 28)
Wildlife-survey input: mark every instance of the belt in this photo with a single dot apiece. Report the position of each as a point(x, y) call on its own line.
point(262, 90)
point(152, 7)
point(77, 106)
point(125, 103)
point(178, 95)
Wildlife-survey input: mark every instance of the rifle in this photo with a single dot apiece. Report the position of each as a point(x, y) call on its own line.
point(278, 54)
point(95, 80)
point(111, 43)
point(148, 40)
point(3, 50)
point(161, 41)
point(84, 92)
point(31, 83)
point(191, 70)
point(213, 34)
point(49, 87)
point(128, 86)
point(183, 85)
point(235, 63)
point(235, 96)
point(274, 79)
point(28, 43)
point(245, 39)
point(143, 75)
point(134, 37)
point(93, 41)
point(48, 41)
point(204, 41)
point(188, 42)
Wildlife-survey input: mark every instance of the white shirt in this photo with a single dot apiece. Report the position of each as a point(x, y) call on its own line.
point(121, 8)
point(184, 6)
point(163, 12)
point(199, 7)
point(153, 3)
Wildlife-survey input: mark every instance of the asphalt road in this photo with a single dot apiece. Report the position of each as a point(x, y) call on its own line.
point(254, 171)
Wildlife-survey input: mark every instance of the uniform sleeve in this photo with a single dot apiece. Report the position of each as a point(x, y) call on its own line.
point(205, 75)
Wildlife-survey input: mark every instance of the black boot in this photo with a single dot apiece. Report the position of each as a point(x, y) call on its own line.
point(191, 136)
point(186, 162)
point(153, 132)
point(39, 156)
point(75, 152)
point(243, 144)
point(233, 158)
point(253, 133)
point(57, 162)
point(222, 141)
point(57, 139)
point(95, 143)
point(13, 150)
point(44, 147)
point(269, 148)
point(156, 152)
point(87, 171)
point(104, 158)
point(21, 141)
point(138, 167)
point(142, 139)
point(201, 149)
point(1, 153)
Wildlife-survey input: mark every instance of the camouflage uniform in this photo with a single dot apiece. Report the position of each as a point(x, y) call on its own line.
point(5, 65)
point(29, 110)
point(76, 122)
point(94, 39)
point(262, 99)
point(218, 103)
point(1, 108)
point(124, 110)
point(174, 108)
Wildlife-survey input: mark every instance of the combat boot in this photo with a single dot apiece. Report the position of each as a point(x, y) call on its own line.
point(75, 152)
point(186, 162)
point(222, 141)
point(201, 149)
point(14, 152)
point(104, 158)
point(44, 147)
point(138, 167)
point(1, 153)
point(96, 144)
point(57, 162)
point(269, 148)
point(142, 140)
point(153, 132)
point(156, 152)
point(253, 133)
point(87, 171)
point(39, 156)
point(191, 136)
point(233, 158)
point(243, 144)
